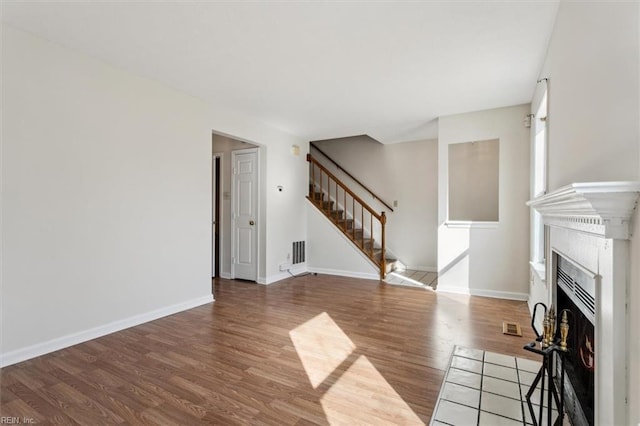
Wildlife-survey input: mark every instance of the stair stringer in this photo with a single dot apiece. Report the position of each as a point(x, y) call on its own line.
point(349, 215)
point(393, 263)
point(331, 252)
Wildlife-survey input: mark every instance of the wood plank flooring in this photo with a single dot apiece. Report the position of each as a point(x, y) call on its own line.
point(307, 350)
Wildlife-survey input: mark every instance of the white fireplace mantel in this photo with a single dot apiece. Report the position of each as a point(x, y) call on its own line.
point(602, 208)
point(588, 225)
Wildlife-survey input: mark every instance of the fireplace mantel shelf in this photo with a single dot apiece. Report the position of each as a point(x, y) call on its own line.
point(602, 208)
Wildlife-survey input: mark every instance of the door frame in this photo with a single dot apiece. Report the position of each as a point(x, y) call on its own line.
point(217, 212)
point(258, 225)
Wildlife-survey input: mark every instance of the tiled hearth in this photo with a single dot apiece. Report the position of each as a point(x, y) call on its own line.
point(486, 388)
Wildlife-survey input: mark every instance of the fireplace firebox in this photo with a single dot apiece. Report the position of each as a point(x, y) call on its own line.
point(575, 292)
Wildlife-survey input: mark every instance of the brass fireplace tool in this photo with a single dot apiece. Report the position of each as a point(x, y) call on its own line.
point(549, 329)
point(550, 344)
point(564, 330)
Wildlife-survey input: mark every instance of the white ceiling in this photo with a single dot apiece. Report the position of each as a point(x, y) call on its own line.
point(317, 69)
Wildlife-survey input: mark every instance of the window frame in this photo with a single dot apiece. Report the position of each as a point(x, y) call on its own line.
point(539, 174)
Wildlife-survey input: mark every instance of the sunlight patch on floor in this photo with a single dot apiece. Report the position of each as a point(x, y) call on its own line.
point(362, 396)
point(322, 346)
point(356, 391)
point(413, 278)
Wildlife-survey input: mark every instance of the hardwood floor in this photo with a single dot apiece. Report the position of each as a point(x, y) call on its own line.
point(307, 350)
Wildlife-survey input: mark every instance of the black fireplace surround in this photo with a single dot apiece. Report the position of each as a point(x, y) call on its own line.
point(575, 292)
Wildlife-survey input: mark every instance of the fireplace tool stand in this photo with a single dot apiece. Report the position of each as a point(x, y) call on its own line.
point(551, 349)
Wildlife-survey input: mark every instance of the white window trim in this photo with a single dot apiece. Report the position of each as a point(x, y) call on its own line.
point(540, 113)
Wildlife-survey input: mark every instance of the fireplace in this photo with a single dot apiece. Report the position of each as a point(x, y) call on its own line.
point(576, 293)
point(587, 268)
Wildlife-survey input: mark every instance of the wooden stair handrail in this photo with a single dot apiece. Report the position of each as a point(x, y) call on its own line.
point(381, 217)
point(344, 187)
point(375, 197)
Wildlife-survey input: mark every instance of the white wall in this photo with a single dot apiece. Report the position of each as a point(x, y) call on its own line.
point(406, 172)
point(106, 198)
point(286, 218)
point(490, 260)
point(634, 291)
point(593, 66)
point(331, 253)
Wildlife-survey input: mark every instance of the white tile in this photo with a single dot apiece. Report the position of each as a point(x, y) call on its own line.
point(528, 365)
point(536, 410)
point(466, 364)
point(500, 359)
point(461, 394)
point(456, 414)
point(501, 387)
point(525, 388)
point(500, 372)
point(465, 378)
point(488, 419)
point(476, 354)
point(501, 398)
point(526, 378)
point(535, 397)
point(501, 405)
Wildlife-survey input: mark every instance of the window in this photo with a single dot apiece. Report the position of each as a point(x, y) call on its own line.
point(540, 149)
point(539, 177)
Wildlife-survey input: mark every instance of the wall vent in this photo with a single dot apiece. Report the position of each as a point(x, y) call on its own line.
point(578, 285)
point(298, 252)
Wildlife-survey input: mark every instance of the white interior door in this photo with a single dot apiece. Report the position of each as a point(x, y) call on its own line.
point(245, 213)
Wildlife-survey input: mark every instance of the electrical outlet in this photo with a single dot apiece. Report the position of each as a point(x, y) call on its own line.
point(288, 257)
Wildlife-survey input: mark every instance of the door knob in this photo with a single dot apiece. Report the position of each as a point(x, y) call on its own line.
point(251, 223)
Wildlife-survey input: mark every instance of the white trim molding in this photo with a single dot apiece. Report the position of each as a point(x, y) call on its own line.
point(539, 269)
point(293, 272)
point(349, 274)
point(496, 294)
point(601, 208)
point(467, 224)
point(62, 342)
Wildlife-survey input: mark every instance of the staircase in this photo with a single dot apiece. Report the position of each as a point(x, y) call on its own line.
point(364, 227)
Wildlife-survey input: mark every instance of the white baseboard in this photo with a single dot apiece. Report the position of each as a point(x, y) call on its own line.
point(58, 343)
point(484, 293)
point(350, 274)
point(422, 268)
point(295, 270)
point(274, 278)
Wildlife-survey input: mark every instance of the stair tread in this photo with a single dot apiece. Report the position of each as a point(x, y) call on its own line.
point(366, 244)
